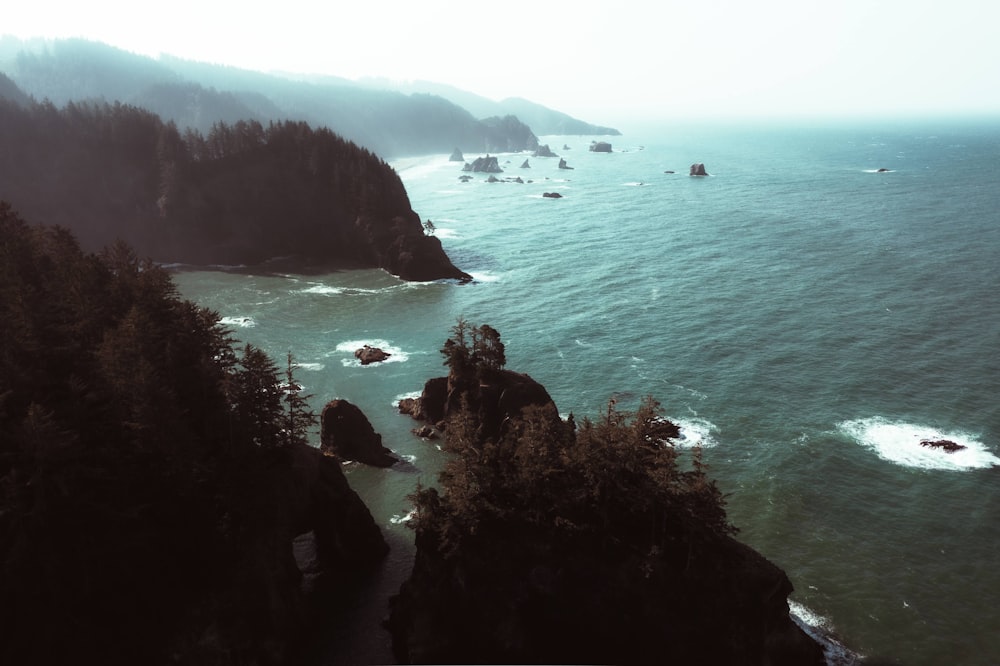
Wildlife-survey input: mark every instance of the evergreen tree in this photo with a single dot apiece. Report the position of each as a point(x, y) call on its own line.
point(299, 418)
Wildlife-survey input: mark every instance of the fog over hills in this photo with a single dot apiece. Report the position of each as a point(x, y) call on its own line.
point(391, 120)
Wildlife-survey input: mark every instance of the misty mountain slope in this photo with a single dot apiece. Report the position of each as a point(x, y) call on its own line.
point(197, 95)
point(541, 119)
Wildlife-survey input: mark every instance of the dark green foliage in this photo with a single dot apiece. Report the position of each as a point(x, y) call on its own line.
point(604, 477)
point(133, 444)
point(299, 418)
point(619, 477)
point(475, 350)
point(244, 193)
point(551, 542)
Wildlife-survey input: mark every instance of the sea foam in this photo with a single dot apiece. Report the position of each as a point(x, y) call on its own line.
point(396, 354)
point(695, 432)
point(899, 442)
point(242, 322)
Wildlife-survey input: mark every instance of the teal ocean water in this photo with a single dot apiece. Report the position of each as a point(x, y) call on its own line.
point(806, 318)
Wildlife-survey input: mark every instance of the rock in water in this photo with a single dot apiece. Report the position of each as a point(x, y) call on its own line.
point(456, 156)
point(945, 444)
point(600, 147)
point(346, 433)
point(484, 165)
point(369, 354)
point(698, 169)
point(563, 165)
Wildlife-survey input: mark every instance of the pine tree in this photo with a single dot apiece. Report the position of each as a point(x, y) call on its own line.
point(298, 418)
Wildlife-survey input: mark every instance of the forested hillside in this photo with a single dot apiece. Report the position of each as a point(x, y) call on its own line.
point(153, 472)
point(198, 95)
point(241, 194)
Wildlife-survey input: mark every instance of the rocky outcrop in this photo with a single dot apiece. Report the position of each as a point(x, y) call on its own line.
point(544, 151)
point(945, 445)
point(304, 195)
point(519, 596)
point(483, 165)
point(600, 147)
point(456, 156)
point(551, 195)
point(496, 401)
point(525, 165)
point(563, 165)
point(368, 355)
point(346, 433)
point(542, 584)
point(430, 406)
point(698, 169)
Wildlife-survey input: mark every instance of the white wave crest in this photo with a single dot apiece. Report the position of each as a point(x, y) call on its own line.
point(313, 367)
point(398, 519)
point(322, 289)
point(396, 354)
point(899, 443)
point(485, 277)
point(445, 233)
point(696, 432)
point(412, 395)
point(242, 322)
point(821, 630)
point(808, 616)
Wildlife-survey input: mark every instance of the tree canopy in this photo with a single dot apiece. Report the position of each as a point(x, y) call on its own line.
point(131, 431)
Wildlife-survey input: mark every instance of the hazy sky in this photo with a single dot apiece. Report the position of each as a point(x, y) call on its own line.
point(602, 61)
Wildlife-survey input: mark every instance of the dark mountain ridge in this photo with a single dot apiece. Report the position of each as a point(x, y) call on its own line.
point(242, 194)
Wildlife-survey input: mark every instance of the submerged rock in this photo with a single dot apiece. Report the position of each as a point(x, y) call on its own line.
point(552, 195)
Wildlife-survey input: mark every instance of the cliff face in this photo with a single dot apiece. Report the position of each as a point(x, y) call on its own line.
point(243, 194)
point(514, 594)
point(551, 542)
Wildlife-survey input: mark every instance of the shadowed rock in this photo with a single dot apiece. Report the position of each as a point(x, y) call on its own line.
point(346, 433)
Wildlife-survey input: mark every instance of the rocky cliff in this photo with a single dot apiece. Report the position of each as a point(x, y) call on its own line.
point(242, 195)
point(548, 541)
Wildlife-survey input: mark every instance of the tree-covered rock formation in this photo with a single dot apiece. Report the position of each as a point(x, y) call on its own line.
point(153, 474)
point(548, 541)
point(242, 194)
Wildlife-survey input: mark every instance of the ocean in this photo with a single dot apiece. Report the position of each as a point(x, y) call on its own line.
point(822, 302)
